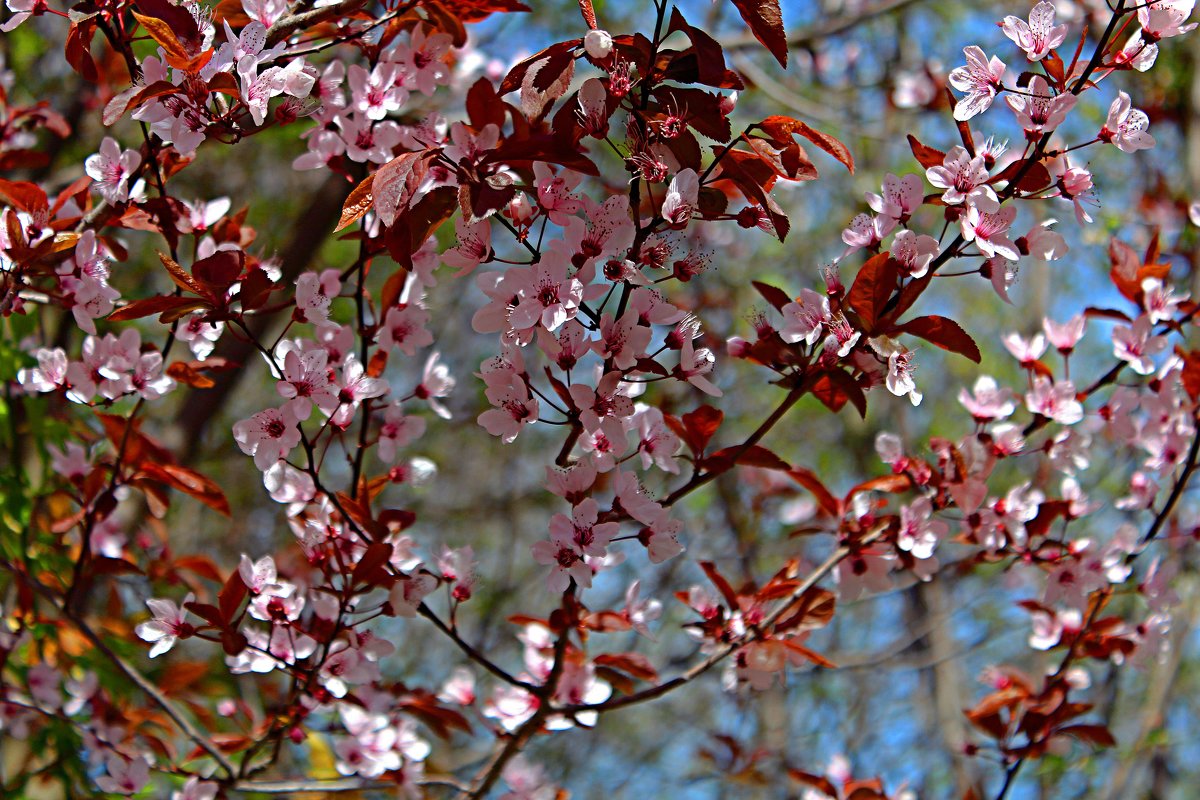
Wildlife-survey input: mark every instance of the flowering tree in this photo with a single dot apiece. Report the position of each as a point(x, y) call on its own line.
point(562, 208)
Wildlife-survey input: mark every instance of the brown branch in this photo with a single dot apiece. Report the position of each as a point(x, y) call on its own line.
point(131, 672)
point(285, 27)
point(658, 690)
point(334, 785)
point(488, 776)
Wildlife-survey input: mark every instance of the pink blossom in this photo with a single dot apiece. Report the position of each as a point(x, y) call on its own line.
point(404, 328)
point(125, 775)
point(964, 178)
point(111, 169)
point(554, 192)
point(1027, 351)
point(1159, 301)
point(598, 43)
point(548, 295)
point(980, 79)
point(561, 553)
point(1039, 110)
point(314, 293)
point(661, 537)
point(306, 381)
point(863, 571)
point(1161, 19)
point(1054, 400)
point(900, 199)
point(355, 387)
point(914, 252)
point(1126, 126)
point(866, 231)
point(607, 400)
point(196, 789)
point(682, 197)
point(474, 245)
point(423, 59)
point(622, 341)
point(50, 373)
point(1043, 243)
point(1064, 336)
point(988, 231)
point(899, 361)
point(657, 443)
point(168, 625)
point(1135, 344)
point(374, 94)
point(1038, 36)
point(803, 319)
point(515, 406)
point(639, 612)
point(268, 435)
point(582, 530)
point(988, 401)
point(459, 688)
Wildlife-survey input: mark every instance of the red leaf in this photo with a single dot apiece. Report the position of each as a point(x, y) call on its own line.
point(230, 596)
point(1034, 175)
point(766, 23)
point(1191, 372)
point(155, 305)
point(357, 203)
point(891, 484)
point(397, 181)
point(834, 387)
point(24, 196)
point(634, 664)
point(945, 333)
point(189, 482)
point(512, 81)
point(181, 277)
point(369, 568)
point(484, 106)
point(1097, 735)
point(706, 53)
point(809, 480)
point(256, 289)
point(776, 297)
point(722, 585)
point(925, 155)
point(78, 51)
point(781, 129)
point(186, 373)
point(872, 287)
point(589, 13)
point(700, 425)
point(207, 612)
point(754, 456)
point(824, 785)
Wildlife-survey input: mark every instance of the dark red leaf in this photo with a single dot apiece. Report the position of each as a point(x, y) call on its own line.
point(700, 425)
point(809, 480)
point(781, 129)
point(775, 296)
point(925, 155)
point(369, 568)
point(722, 585)
point(872, 288)
point(945, 333)
point(155, 305)
point(229, 599)
point(766, 23)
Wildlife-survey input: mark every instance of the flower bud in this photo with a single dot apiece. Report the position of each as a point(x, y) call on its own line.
point(598, 44)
